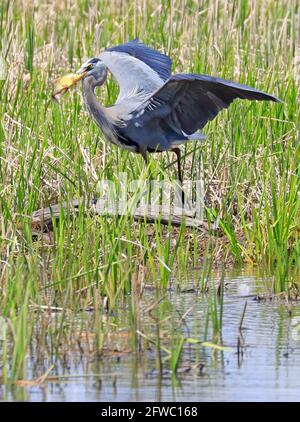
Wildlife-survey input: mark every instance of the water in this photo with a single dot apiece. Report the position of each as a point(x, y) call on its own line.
point(267, 367)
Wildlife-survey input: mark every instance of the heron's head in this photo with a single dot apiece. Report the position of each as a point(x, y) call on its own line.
point(93, 67)
point(94, 70)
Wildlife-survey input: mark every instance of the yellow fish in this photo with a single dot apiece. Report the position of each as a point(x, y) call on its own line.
point(61, 85)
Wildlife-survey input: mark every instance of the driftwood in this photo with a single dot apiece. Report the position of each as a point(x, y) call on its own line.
point(42, 220)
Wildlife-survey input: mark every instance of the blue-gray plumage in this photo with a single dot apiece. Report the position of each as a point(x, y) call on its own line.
point(156, 111)
point(159, 62)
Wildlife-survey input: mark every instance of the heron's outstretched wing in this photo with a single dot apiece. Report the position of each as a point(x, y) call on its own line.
point(137, 68)
point(186, 102)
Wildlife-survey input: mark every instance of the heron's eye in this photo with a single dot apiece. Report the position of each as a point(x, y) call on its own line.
point(89, 67)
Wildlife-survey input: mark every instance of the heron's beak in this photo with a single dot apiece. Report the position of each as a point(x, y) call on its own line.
point(61, 85)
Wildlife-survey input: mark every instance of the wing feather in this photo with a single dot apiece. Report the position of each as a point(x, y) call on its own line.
point(189, 101)
point(159, 62)
point(138, 69)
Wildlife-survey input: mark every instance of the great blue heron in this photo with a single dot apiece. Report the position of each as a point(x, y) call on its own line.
point(155, 110)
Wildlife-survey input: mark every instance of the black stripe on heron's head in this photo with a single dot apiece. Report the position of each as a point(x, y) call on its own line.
point(93, 60)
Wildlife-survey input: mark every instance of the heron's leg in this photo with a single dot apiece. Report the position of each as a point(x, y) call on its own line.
point(178, 154)
point(143, 151)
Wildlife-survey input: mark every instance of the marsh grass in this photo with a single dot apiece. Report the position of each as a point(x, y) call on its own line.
point(53, 152)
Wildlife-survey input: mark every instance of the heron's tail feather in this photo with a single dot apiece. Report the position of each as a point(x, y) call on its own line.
point(196, 136)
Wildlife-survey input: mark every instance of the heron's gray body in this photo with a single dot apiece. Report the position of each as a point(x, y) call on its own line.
point(156, 111)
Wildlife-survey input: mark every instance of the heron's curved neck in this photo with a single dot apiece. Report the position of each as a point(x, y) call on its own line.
point(96, 109)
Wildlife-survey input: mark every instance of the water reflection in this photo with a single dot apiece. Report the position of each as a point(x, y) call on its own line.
point(263, 363)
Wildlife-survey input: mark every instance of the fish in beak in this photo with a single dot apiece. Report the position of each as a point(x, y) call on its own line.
point(62, 85)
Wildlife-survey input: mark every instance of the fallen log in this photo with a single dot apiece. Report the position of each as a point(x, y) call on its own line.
point(42, 219)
